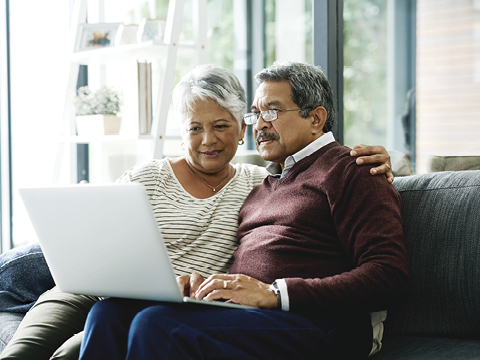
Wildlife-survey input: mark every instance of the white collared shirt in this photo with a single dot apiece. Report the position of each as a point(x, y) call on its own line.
point(275, 170)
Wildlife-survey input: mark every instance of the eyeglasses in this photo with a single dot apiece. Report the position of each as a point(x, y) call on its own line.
point(267, 115)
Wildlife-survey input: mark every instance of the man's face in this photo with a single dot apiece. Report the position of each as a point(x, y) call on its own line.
point(278, 139)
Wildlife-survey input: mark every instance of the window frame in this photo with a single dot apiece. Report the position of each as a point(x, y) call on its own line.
point(401, 78)
point(6, 239)
point(328, 29)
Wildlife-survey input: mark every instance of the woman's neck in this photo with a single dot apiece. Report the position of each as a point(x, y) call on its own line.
point(198, 183)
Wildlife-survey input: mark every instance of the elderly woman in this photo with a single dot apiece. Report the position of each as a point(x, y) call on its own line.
point(196, 200)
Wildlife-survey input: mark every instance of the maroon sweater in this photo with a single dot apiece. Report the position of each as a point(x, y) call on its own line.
point(331, 230)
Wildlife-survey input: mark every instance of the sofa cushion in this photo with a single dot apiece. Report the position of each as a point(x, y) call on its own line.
point(428, 348)
point(452, 163)
point(8, 325)
point(400, 164)
point(24, 276)
point(441, 220)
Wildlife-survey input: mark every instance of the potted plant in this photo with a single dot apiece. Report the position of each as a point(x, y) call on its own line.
point(97, 111)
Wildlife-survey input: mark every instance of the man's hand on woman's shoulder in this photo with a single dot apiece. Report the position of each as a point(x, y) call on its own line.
point(374, 154)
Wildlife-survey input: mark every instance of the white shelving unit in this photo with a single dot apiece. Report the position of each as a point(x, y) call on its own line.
point(145, 50)
point(166, 50)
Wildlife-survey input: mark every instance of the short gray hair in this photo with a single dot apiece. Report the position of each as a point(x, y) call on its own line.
point(210, 82)
point(310, 87)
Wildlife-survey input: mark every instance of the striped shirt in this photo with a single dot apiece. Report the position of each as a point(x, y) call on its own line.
point(200, 234)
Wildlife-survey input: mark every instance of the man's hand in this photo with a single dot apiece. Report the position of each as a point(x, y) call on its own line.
point(374, 155)
point(239, 289)
point(189, 284)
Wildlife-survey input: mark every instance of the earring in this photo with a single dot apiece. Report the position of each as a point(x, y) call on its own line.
point(241, 142)
point(182, 145)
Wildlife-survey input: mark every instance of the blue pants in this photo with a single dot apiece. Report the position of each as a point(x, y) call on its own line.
point(132, 329)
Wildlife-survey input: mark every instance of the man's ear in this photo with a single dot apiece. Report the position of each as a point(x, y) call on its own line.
point(319, 115)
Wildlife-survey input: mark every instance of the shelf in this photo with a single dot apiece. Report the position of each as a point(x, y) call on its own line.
point(126, 55)
point(144, 51)
point(111, 138)
point(103, 138)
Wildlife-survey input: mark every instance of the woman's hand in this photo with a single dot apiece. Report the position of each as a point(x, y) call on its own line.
point(374, 155)
point(189, 284)
point(240, 289)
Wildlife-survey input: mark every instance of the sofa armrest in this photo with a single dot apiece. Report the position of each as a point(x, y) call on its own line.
point(8, 325)
point(24, 276)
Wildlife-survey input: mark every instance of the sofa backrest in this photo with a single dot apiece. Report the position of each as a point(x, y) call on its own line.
point(441, 221)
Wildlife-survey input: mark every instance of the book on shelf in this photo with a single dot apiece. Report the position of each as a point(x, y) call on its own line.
point(145, 113)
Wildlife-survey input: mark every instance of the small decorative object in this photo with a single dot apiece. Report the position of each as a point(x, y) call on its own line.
point(92, 36)
point(97, 111)
point(151, 30)
point(126, 34)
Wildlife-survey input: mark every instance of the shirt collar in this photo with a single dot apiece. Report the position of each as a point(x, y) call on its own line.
point(275, 169)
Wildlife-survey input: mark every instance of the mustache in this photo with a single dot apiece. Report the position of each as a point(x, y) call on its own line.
point(265, 135)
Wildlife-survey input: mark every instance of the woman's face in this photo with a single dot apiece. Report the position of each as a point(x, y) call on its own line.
point(211, 136)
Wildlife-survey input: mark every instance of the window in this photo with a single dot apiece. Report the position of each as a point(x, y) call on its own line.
point(411, 77)
point(379, 74)
point(288, 31)
point(448, 78)
point(365, 72)
point(38, 62)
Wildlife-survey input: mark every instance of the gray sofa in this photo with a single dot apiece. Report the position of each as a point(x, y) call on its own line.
point(441, 220)
point(441, 320)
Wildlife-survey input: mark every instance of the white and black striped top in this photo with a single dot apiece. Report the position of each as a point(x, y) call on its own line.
point(200, 234)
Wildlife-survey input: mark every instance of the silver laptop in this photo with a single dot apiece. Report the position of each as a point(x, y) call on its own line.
point(103, 240)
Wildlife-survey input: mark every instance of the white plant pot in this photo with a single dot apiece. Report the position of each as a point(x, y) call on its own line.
point(97, 125)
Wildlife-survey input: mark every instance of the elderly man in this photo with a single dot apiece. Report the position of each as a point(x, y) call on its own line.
point(321, 247)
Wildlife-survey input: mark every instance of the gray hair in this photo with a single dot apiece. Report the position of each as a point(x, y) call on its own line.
point(310, 87)
point(210, 82)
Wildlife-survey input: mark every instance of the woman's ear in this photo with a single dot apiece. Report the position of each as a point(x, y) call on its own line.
point(319, 115)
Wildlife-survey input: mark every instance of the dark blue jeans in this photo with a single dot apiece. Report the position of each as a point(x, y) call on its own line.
point(130, 329)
